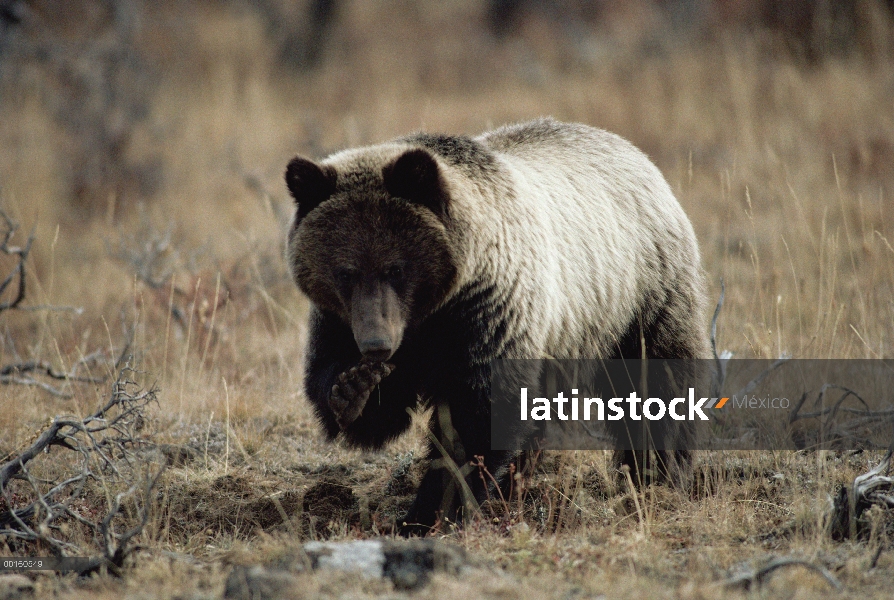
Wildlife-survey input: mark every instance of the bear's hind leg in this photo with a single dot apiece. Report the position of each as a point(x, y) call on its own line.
point(673, 331)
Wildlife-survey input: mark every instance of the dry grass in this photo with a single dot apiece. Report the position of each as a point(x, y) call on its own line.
point(786, 169)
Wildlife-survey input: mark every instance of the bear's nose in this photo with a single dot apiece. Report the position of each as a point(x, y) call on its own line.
point(375, 350)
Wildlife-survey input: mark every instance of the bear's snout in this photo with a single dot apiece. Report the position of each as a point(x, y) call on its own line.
point(377, 321)
point(376, 350)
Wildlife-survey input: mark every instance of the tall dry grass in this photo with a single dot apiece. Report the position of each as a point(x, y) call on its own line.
point(785, 167)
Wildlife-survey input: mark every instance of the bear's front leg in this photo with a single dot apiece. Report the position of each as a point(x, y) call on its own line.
point(352, 389)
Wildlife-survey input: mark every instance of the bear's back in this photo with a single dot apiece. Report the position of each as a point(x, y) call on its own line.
point(594, 231)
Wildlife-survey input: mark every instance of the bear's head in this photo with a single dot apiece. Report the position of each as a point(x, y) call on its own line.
point(377, 255)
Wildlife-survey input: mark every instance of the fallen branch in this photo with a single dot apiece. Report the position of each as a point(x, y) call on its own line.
point(757, 576)
point(116, 546)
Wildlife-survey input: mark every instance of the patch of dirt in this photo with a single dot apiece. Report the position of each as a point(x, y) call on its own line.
point(231, 504)
point(329, 504)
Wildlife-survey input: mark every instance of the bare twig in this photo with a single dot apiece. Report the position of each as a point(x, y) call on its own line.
point(116, 545)
point(45, 368)
point(22, 373)
point(154, 259)
point(21, 252)
point(482, 471)
point(862, 419)
point(719, 375)
point(150, 254)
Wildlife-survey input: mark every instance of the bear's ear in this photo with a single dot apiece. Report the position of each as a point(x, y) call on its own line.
point(309, 184)
point(416, 177)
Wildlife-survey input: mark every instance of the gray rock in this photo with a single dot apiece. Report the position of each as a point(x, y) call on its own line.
point(365, 557)
point(409, 564)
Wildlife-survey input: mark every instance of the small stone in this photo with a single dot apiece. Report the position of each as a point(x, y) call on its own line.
point(409, 564)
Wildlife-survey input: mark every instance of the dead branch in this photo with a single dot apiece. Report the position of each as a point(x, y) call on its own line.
point(117, 545)
point(154, 260)
point(24, 373)
point(874, 485)
point(21, 252)
point(757, 576)
point(123, 414)
point(107, 448)
point(45, 368)
point(150, 254)
point(719, 375)
point(833, 425)
point(873, 488)
point(831, 410)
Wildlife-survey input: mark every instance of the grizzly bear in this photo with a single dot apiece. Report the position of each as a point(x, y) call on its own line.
point(430, 256)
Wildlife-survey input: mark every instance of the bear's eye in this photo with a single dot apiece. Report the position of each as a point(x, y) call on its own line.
point(344, 276)
point(394, 273)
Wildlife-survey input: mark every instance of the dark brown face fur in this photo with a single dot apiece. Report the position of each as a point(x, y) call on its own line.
point(381, 263)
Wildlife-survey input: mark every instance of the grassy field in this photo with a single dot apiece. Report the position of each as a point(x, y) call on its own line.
point(173, 256)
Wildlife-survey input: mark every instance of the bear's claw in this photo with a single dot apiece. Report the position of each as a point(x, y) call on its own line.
point(353, 388)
